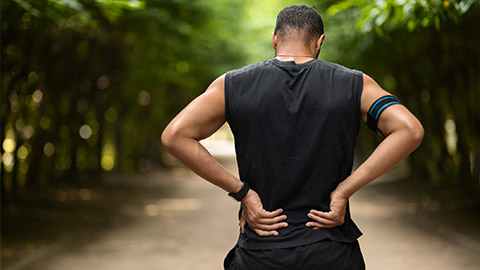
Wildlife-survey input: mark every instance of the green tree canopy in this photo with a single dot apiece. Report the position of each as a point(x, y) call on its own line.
point(90, 85)
point(425, 52)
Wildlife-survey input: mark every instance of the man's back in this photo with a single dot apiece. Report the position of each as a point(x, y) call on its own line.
point(295, 127)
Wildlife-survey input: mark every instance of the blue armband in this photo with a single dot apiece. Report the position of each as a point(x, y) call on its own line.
point(377, 108)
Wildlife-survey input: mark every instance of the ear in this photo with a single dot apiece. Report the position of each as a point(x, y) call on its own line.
point(319, 42)
point(274, 40)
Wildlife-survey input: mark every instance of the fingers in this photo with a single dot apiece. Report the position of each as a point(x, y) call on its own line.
point(265, 233)
point(263, 222)
point(325, 215)
point(271, 221)
point(316, 225)
point(267, 214)
point(267, 230)
point(264, 217)
point(335, 217)
point(265, 227)
point(268, 225)
point(325, 219)
point(321, 222)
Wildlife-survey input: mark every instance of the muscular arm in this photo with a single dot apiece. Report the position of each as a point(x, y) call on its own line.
point(404, 134)
point(200, 119)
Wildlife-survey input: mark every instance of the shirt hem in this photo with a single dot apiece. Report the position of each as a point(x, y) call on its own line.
point(294, 243)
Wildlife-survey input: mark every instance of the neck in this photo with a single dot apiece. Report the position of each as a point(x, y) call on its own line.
point(293, 52)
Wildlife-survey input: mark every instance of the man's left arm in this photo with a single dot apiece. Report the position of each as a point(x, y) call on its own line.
point(181, 138)
point(199, 120)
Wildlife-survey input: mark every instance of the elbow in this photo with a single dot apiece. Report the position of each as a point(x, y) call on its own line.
point(411, 133)
point(416, 133)
point(168, 139)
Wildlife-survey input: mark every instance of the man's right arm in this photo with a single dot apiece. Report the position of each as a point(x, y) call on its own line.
point(403, 134)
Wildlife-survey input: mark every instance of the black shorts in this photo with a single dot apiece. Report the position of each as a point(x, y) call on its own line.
point(325, 254)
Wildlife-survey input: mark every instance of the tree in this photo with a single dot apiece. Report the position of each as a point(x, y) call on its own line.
point(89, 85)
point(426, 52)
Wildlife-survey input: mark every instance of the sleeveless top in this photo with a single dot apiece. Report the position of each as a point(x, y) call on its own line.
point(295, 128)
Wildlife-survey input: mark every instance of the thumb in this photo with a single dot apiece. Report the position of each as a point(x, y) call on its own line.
point(242, 224)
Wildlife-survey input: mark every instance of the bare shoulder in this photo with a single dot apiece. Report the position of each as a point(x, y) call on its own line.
point(217, 86)
point(211, 102)
point(214, 97)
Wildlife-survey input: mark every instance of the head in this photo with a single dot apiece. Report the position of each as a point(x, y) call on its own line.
point(299, 23)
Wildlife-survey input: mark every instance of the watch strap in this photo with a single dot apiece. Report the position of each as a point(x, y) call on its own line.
point(241, 193)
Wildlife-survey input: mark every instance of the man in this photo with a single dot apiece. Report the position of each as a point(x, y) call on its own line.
point(295, 120)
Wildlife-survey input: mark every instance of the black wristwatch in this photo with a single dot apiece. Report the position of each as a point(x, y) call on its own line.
point(241, 193)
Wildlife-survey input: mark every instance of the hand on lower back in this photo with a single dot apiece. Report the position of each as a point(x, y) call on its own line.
point(262, 222)
point(335, 217)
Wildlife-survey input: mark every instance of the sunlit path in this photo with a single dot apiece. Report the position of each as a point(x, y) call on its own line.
point(193, 226)
point(397, 238)
point(190, 228)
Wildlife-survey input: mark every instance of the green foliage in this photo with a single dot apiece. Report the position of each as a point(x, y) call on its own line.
point(387, 15)
point(426, 53)
point(89, 85)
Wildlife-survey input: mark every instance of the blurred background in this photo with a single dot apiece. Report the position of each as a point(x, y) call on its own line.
point(87, 87)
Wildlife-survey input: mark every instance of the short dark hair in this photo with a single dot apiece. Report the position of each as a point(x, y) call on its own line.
point(299, 20)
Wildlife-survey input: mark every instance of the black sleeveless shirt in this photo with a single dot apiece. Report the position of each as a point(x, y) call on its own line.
point(295, 127)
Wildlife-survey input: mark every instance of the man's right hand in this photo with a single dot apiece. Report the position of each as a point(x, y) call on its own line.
point(333, 218)
point(262, 222)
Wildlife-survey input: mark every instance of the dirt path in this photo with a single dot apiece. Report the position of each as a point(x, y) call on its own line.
point(193, 226)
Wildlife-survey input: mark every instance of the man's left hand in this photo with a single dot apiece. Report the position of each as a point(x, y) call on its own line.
point(262, 222)
point(335, 217)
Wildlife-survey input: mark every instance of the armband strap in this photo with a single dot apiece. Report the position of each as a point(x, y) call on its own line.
point(376, 110)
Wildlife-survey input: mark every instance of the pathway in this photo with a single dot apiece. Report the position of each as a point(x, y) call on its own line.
point(194, 226)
